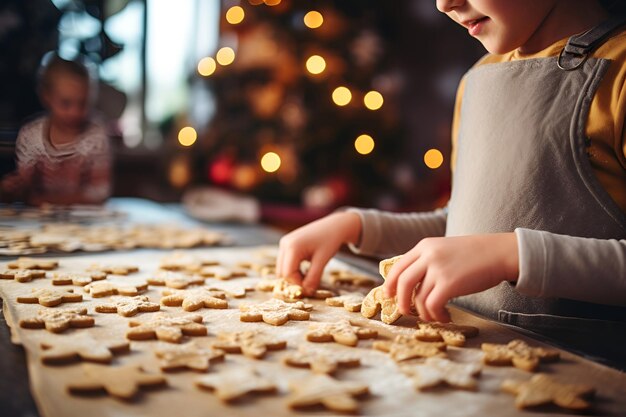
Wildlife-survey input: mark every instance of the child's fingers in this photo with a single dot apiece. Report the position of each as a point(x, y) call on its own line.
point(436, 304)
point(407, 281)
point(391, 281)
point(279, 261)
point(290, 269)
point(421, 295)
point(314, 275)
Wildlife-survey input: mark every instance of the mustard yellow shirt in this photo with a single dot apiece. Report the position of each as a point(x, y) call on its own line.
point(605, 125)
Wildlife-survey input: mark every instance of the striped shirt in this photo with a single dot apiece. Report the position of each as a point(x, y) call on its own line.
point(77, 172)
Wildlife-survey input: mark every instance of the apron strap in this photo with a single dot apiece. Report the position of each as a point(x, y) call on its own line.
point(578, 47)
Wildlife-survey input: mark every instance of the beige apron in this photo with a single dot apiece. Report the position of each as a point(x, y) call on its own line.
point(522, 162)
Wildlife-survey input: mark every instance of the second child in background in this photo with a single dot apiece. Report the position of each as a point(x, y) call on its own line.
point(62, 157)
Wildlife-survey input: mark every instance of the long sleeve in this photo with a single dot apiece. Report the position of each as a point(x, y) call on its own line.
point(584, 269)
point(386, 234)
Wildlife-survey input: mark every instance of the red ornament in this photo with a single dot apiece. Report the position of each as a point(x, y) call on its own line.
point(221, 170)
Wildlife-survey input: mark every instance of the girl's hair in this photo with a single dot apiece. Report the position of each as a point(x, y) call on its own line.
point(614, 7)
point(53, 65)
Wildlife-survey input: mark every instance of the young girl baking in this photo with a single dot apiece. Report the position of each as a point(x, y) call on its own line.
point(534, 234)
point(63, 156)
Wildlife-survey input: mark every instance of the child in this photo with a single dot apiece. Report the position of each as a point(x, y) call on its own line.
point(535, 229)
point(62, 157)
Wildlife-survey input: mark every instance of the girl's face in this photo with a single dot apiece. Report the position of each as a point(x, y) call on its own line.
point(67, 101)
point(500, 25)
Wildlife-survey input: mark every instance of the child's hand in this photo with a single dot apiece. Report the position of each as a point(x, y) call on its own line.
point(448, 267)
point(11, 183)
point(316, 242)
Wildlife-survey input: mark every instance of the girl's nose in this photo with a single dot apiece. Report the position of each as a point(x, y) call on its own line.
point(446, 6)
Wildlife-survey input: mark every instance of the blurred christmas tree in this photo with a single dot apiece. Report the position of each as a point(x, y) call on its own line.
point(307, 81)
point(308, 98)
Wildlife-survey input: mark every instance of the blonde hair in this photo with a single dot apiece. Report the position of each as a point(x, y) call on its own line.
point(53, 65)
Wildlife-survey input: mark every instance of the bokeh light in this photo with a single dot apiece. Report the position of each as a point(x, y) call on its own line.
point(313, 19)
point(373, 100)
point(315, 64)
point(206, 66)
point(235, 15)
point(364, 144)
point(225, 56)
point(342, 96)
point(433, 158)
point(270, 162)
point(179, 173)
point(187, 136)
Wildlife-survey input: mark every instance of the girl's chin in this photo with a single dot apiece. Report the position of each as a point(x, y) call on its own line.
point(496, 48)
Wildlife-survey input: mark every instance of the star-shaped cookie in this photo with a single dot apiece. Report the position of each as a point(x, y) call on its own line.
point(326, 391)
point(177, 280)
point(187, 356)
point(128, 306)
point(235, 288)
point(115, 269)
point(33, 263)
point(105, 288)
point(167, 328)
point(275, 312)
point(22, 275)
point(351, 301)
point(233, 384)
point(50, 297)
point(321, 362)
point(81, 347)
point(192, 300)
point(76, 278)
point(222, 272)
point(351, 278)
point(542, 389)
point(405, 347)
point(341, 331)
point(450, 333)
point(436, 371)
point(58, 320)
point(253, 344)
point(118, 381)
point(519, 354)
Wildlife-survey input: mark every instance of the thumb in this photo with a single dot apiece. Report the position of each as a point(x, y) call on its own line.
point(314, 275)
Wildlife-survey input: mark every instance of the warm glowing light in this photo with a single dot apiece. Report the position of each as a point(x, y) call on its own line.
point(313, 19)
point(225, 56)
point(315, 64)
point(179, 173)
point(235, 15)
point(244, 177)
point(364, 144)
point(206, 66)
point(270, 162)
point(272, 2)
point(187, 136)
point(373, 100)
point(433, 158)
point(342, 96)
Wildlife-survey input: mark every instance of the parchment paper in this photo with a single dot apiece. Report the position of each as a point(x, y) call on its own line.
point(392, 394)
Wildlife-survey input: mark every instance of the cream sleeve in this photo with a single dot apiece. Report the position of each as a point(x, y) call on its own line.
point(386, 234)
point(583, 269)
